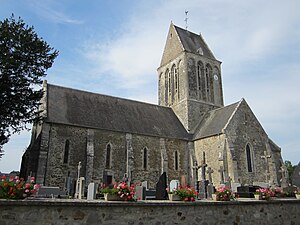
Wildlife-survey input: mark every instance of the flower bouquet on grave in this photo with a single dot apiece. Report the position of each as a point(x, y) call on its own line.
point(121, 192)
point(14, 188)
point(224, 194)
point(185, 193)
point(264, 193)
point(297, 193)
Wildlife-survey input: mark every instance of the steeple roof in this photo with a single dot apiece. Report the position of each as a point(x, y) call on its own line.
point(180, 40)
point(193, 43)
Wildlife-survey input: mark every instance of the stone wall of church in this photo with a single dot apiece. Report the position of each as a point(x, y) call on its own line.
point(94, 163)
point(214, 148)
point(245, 129)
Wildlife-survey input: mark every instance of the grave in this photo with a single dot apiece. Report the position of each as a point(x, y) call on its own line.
point(140, 192)
point(246, 191)
point(261, 184)
point(174, 184)
point(210, 188)
point(50, 192)
point(92, 188)
point(161, 192)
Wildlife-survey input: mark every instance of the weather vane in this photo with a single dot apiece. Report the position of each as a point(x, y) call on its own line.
point(186, 19)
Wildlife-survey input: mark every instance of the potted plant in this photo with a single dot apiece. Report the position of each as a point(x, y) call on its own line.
point(14, 187)
point(185, 193)
point(264, 193)
point(121, 192)
point(224, 194)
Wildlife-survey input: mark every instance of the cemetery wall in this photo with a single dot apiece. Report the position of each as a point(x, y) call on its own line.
point(50, 212)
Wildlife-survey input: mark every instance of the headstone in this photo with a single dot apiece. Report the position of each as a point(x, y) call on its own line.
point(203, 182)
point(234, 186)
point(183, 181)
point(174, 184)
point(261, 184)
point(145, 184)
point(161, 192)
point(210, 188)
point(266, 158)
point(92, 188)
point(46, 192)
point(246, 191)
point(140, 192)
point(79, 188)
point(284, 176)
point(221, 171)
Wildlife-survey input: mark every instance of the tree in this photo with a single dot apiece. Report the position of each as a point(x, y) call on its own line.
point(24, 60)
point(290, 168)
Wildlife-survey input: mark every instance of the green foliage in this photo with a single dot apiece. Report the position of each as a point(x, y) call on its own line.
point(290, 168)
point(24, 60)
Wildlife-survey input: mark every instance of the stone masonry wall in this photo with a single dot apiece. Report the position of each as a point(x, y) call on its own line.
point(81, 139)
point(64, 212)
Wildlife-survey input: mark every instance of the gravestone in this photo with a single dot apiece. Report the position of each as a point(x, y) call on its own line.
point(145, 184)
point(183, 181)
point(79, 188)
point(174, 184)
point(140, 192)
point(234, 186)
point(47, 192)
point(261, 184)
point(161, 192)
point(210, 188)
point(246, 191)
point(92, 188)
point(203, 182)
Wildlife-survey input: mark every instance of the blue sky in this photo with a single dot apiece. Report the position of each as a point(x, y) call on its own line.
point(114, 48)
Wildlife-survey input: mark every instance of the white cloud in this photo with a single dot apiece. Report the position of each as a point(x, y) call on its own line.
point(53, 11)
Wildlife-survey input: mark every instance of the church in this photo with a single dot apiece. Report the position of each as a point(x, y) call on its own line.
point(117, 139)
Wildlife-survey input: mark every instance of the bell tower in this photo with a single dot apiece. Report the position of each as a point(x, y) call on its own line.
point(189, 77)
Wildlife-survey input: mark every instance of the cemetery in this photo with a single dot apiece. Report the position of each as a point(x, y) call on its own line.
point(136, 204)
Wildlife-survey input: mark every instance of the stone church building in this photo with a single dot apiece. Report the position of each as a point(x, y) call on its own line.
point(117, 139)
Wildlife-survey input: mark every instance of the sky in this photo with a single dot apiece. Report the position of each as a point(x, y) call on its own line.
point(114, 48)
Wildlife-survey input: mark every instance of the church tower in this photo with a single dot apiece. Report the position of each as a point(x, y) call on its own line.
point(189, 77)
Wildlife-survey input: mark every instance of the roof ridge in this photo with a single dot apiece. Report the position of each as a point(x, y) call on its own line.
point(105, 95)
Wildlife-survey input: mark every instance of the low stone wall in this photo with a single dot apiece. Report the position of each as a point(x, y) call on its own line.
point(73, 212)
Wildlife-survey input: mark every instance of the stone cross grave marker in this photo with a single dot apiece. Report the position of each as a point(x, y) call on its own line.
point(210, 188)
point(78, 181)
point(266, 157)
point(284, 176)
point(91, 194)
point(203, 182)
point(221, 171)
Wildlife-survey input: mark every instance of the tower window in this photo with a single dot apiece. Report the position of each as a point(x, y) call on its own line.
point(249, 158)
point(66, 152)
point(108, 156)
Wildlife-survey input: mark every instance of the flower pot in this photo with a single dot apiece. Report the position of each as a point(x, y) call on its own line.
point(297, 196)
point(257, 197)
point(110, 197)
point(173, 197)
point(214, 197)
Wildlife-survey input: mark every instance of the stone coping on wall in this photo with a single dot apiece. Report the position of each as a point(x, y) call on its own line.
point(84, 202)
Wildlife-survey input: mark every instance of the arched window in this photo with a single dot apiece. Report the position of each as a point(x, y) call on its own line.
point(66, 152)
point(249, 158)
point(145, 158)
point(176, 160)
point(200, 75)
point(108, 156)
point(208, 82)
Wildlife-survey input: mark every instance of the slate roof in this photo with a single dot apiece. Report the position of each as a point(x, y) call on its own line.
point(214, 121)
point(192, 42)
point(85, 109)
